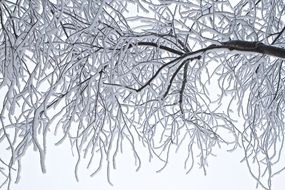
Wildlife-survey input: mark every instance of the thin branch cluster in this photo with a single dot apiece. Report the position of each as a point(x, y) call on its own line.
point(184, 75)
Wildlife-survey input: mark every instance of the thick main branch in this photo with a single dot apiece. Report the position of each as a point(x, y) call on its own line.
point(254, 47)
point(239, 45)
point(257, 47)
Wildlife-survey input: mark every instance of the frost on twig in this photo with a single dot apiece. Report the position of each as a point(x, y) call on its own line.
point(184, 76)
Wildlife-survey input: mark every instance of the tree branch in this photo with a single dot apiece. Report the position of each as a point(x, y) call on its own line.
point(257, 47)
point(239, 45)
point(279, 34)
point(153, 44)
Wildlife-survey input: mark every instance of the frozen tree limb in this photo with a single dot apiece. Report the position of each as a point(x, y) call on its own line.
point(192, 76)
point(256, 47)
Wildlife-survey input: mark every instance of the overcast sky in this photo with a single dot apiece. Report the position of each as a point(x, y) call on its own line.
point(224, 172)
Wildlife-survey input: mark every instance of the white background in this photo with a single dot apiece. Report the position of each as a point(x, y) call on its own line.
point(224, 172)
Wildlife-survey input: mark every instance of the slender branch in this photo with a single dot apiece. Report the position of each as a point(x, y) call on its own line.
point(183, 87)
point(173, 77)
point(153, 44)
point(280, 33)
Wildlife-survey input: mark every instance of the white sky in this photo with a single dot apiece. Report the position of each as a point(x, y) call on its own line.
point(224, 172)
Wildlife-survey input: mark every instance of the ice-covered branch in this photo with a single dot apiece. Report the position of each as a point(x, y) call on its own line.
point(256, 47)
point(201, 75)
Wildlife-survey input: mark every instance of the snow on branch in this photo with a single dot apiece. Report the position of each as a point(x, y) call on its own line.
point(153, 76)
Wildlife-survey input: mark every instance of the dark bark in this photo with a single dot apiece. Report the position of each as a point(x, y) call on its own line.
point(153, 44)
point(257, 47)
point(239, 45)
